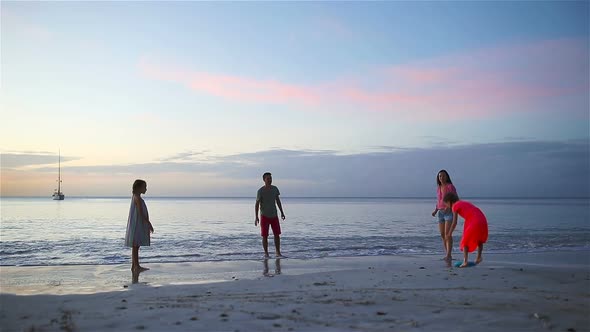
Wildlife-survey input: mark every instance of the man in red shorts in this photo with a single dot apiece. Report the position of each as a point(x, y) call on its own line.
point(265, 201)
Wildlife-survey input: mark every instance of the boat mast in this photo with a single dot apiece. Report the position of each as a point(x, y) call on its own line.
point(59, 173)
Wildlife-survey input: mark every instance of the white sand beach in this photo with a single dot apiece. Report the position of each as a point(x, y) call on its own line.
point(507, 292)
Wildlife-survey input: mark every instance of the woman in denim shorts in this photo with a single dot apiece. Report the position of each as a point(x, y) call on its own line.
point(444, 185)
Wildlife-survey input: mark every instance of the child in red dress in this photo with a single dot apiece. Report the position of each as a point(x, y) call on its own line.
point(475, 228)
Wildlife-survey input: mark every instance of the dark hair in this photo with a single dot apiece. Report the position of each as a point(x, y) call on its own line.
point(448, 177)
point(451, 198)
point(138, 184)
point(265, 175)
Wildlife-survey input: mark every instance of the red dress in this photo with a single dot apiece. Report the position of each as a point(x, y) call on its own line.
point(475, 228)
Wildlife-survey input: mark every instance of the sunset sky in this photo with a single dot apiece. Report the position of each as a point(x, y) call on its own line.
point(333, 98)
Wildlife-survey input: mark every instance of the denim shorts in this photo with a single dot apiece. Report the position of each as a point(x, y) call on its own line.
point(443, 215)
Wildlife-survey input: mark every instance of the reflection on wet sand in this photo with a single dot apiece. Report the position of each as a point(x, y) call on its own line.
point(266, 273)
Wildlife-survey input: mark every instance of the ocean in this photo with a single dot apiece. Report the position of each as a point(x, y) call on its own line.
point(40, 231)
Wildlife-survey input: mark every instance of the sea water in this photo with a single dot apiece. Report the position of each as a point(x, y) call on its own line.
point(40, 231)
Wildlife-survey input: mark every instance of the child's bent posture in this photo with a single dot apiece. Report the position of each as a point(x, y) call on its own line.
point(475, 228)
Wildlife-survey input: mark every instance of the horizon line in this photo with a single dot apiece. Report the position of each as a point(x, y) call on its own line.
point(311, 197)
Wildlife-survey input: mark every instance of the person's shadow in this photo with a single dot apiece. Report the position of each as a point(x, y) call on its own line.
point(265, 271)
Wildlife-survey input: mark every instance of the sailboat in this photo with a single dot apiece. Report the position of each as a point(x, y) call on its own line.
point(58, 195)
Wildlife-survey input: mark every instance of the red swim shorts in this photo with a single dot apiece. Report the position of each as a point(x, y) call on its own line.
point(272, 222)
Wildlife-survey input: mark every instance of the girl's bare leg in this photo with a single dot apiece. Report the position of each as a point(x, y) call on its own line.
point(465, 256)
point(134, 258)
point(479, 251)
point(449, 241)
point(135, 265)
point(141, 268)
point(441, 229)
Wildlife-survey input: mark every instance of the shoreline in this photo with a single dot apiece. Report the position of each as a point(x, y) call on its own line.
point(526, 292)
point(579, 249)
point(428, 197)
point(92, 278)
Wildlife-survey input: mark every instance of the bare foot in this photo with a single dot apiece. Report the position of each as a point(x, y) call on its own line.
point(266, 256)
point(448, 258)
point(141, 268)
point(463, 265)
point(478, 260)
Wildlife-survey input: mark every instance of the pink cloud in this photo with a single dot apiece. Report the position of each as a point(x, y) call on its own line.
point(232, 87)
point(476, 83)
point(423, 75)
point(252, 90)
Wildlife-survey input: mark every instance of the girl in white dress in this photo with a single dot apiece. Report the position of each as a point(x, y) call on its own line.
point(139, 226)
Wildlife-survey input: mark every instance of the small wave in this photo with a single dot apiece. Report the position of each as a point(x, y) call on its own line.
point(174, 256)
point(235, 248)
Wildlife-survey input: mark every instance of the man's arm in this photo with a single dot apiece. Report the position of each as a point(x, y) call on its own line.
point(256, 207)
point(280, 208)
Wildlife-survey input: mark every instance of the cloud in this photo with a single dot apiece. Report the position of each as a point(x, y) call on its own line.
point(391, 148)
point(18, 160)
point(231, 87)
point(517, 138)
point(509, 169)
point(515, 78)
point(188, 155)
point(496, 77)
point(433, 140)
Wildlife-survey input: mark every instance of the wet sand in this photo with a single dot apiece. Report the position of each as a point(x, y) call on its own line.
point(507, 292)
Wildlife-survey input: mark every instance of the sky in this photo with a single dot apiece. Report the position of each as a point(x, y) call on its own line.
point(355, 99)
